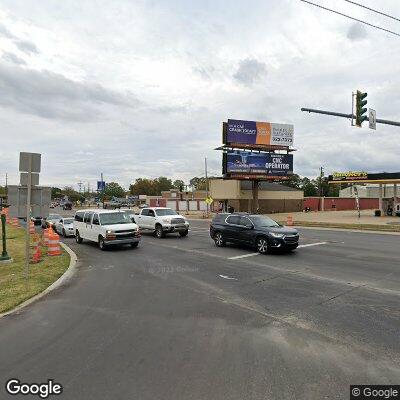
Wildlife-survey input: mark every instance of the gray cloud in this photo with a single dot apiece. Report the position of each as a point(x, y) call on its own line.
point(26, 46)
point(5, 32)
point(250, 71)
point(12, 58)
point(357, 32)
point(53, 96)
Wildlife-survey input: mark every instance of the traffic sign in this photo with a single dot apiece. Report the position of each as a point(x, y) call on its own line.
point(372, 118)
point(208, 200)
point(29, 162)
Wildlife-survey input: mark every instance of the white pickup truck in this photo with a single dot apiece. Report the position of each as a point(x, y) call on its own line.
point(162, 220)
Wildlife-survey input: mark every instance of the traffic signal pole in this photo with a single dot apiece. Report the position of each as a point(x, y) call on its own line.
point(348, 116)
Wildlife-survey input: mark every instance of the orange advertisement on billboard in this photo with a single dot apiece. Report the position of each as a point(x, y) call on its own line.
point(263, 133)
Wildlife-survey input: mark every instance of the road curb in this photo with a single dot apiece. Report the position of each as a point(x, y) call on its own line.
point(67, 275)
point(322, 228)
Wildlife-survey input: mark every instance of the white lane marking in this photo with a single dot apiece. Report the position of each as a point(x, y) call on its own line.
point(312, 244)
point(227, 277)
point(243, 256)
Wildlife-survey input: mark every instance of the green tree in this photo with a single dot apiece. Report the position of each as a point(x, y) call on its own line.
point(178, 184)
point(161, 184)
point(143, 186)
point(113, 189)
point(56, 192)
point(71, 193)
point(294, 181)
point(199, 183)
point(308, 187)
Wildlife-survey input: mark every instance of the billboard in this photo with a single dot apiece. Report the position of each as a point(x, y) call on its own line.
point(258, 133)
point(269, 164)
point(101, 185)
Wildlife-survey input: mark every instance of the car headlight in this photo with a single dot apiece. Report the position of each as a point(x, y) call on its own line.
point(277, 235)
point(166, 220)
point(108, 232)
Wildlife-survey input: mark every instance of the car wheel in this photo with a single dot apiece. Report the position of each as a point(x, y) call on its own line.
point(159, 232)
point(78, 238)
point(184, 233)
point(64, 233)
point(219, 239)
point(134, 244)
point(262, 245)
point(102, 245)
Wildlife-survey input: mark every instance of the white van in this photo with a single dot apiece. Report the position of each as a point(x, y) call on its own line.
point(105, 227)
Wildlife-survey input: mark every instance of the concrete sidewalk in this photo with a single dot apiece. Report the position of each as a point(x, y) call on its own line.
point(344, 217)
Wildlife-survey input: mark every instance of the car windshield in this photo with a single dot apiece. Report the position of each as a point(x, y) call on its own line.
point(54, 216)
point(165, 211)
point(261, 221)
point(68, 221)
point(114, 218)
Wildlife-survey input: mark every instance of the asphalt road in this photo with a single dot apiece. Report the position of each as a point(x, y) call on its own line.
point(178, 318)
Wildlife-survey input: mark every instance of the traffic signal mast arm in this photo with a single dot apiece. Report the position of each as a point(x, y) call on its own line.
point(349, 116)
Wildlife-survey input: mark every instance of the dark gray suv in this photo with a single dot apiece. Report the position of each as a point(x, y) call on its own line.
point(259, 231)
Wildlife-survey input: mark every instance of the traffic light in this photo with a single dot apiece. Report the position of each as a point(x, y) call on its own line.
point(360, 109)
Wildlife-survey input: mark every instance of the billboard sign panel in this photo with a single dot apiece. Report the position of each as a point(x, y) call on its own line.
point(259, 133)
point(101, 186)
point(259, 163)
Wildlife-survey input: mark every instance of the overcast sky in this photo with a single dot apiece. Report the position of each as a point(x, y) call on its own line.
point(140, 88)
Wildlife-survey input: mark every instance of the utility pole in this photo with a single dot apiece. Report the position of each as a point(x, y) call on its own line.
point(321, 175)
point(206, 174)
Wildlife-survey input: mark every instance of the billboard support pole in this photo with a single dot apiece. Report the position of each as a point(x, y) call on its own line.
point(255, 195)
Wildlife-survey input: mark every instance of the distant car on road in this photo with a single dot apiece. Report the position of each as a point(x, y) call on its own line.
point(67, 206)
point(51, 220)
point(106, 228)
point(65, 227)
point(162, 220)
point(257, 231)
point(36, 220)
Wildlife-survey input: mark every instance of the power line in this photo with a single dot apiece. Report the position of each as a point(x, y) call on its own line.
point(348, 16)
point(371, 9)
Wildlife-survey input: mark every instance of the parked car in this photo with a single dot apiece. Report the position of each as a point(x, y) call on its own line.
point(36, 220)
point(65, 227)
point(106, 228)
point(257, 231)
point(51, 220)
point(162, 220)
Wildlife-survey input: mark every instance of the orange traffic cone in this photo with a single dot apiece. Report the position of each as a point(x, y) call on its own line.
point(46, 233)
point(53, 247)
point(37, 253)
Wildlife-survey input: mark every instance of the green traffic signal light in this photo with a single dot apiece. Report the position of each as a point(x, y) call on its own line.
point(360, 109)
